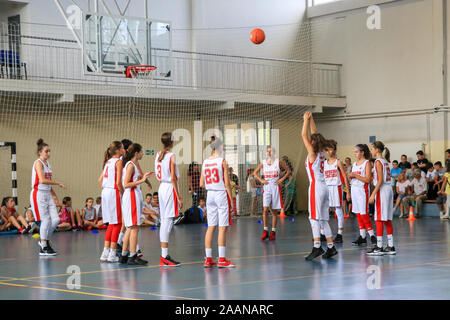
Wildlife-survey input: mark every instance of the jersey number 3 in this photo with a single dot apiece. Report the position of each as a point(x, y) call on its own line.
point(158, 171)
point(215, 178)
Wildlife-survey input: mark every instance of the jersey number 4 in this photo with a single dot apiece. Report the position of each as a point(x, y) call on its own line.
point(215, 173)
point(106, 173)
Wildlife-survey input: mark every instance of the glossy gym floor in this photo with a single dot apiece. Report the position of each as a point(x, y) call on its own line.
point(265, 270)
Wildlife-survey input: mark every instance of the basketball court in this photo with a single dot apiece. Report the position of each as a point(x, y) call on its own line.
point(81, 74)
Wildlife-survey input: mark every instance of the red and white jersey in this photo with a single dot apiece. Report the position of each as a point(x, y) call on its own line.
point(135, 177)
point(271, 172)
point(162, 168)
point(360, 171)
point(386, 172)
point(35, 183)
point(110, 174)
point(333, 176)
point(213, 174)
point(315, 170)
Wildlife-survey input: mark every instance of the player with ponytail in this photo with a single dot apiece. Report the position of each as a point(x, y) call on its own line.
point(360, 177)
point(112, 190)
point(383, 197)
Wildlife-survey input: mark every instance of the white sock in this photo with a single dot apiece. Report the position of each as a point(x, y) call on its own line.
point(390, 240)
point(371, 233)
point(316, 244)
point(125, 253)
point(339, 231)
point(164, 252)
point(274, 229)
point(222, 252)
point(105, 251)
point(362, 232)
point(208, 252)
point(137, 247)
point(379, 242)
point(266, 228)
point(132, 254)
point(330, 245)
point(112, 251)
point(120, 240)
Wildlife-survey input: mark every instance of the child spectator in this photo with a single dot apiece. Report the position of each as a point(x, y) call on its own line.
point(149, 215)
point(421, 161)
point(98, 209)
point(446, 189)
point(348, 165)
point(5, 225)
point(291, 205)
point(415, 166)
point(64, 220)
point(404, 164)
point(9, 214)
point(419, 188)
point(89, 215)
point(202, 207)
point(395, 171)
point(431, 176)
point(447, 157)
point(75, 217)
point(409, 172)
point(193, 214)
point(29, 216)
point(402, 188)
point(441, 196)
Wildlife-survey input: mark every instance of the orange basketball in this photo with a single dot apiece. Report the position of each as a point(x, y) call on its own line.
point(257, 36)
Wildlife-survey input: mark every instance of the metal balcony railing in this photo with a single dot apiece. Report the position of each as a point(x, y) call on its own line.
point(43, 53)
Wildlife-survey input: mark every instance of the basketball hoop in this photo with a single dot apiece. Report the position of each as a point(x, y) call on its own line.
point(141, 71)
point(143, 76)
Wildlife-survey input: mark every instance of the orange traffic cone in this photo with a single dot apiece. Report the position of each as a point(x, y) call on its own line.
point(411, 214)
point(282, 214)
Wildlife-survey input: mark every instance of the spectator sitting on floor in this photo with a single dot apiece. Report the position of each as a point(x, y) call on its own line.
point(75, 217)
point(422, 161)
point(9, 213)
point(404, 164)
point(193, 214)
point(401, 190)
point(89, 215)
point(29, 216)
point(419, 191)
point(441, 196)
point(5, 225)
point(64, 220)
point(98, 209)
point(431, 176)
point(151, 218)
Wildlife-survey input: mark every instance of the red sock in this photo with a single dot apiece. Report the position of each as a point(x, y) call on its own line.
point(367, 222)
point(389, 228)
point(360, 222)
point(115, 232)
point(380, 227)
point(108, 233)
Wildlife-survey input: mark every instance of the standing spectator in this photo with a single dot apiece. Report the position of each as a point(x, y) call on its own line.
point(419, 191)
point(194, 183)
point(402, 188)
point(447, 157)
point(441, 196)
point(431, 177)
point(290, 202)
point(395, 171)
point(404, 164)
point(252, 188)
point(234, 190)
point(446, 189)
point(235, 179)
point(421, 161)
point(348, 165)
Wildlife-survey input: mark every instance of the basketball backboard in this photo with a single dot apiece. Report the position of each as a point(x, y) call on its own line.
point(111, 43)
